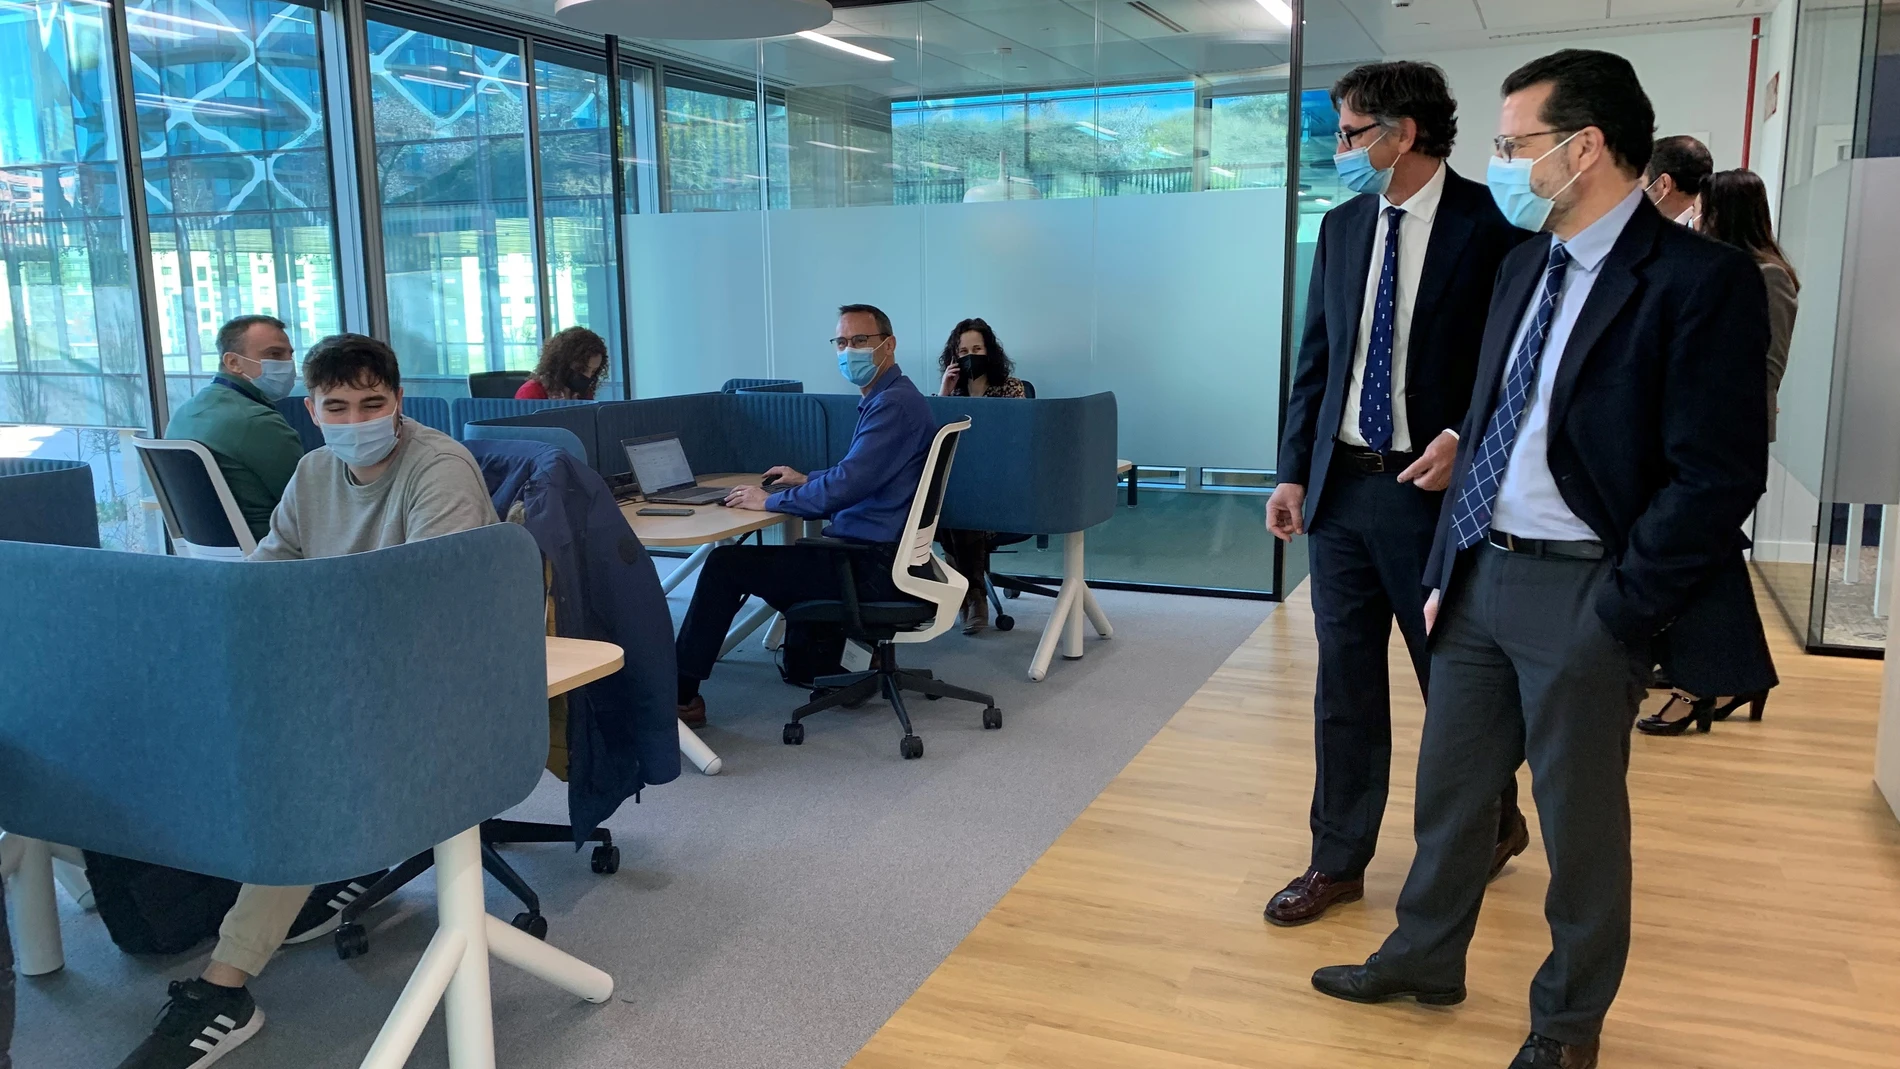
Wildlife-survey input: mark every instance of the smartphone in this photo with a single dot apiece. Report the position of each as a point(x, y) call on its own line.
point(664, 512)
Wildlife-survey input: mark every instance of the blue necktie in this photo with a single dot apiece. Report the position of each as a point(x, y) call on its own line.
point(1471, 518)
point(1375, 386)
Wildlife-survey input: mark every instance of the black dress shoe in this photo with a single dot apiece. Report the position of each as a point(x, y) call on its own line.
point(1365, 983)
point(1543, 1052)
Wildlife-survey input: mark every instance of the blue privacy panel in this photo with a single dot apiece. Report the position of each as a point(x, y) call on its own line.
point(280, 723)
point(579, 418)
point(1034, 467)
point(48, 501)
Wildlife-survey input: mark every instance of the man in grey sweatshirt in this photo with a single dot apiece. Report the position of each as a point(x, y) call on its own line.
point(378, 481)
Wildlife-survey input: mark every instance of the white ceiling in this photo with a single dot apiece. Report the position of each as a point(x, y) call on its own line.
point(947, 46)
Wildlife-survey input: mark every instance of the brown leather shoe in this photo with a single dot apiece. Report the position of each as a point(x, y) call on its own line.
point(1515, 841)
point(1543, 1052)
point(693, 713)
point(1309, 896)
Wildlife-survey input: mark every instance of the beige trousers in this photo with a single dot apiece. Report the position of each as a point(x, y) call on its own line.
point(256, 925)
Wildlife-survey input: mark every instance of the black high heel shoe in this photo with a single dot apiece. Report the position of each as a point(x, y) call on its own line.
point(1703, 713)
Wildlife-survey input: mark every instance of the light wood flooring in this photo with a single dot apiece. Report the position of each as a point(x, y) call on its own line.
point(1767, 913)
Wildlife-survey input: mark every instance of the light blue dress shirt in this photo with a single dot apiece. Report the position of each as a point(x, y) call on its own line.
point(1528, 503)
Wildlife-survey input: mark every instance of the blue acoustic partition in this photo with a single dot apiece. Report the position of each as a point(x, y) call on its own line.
point(578, 417)
point(159, 708)
point(559, 437)
point(841, 422)
point(698, 419)
point(1037, 467)
point(769, 428)
point(299, 419)
point(762, 386)
point(48, 501)
point(466, 410)
point(428, 411)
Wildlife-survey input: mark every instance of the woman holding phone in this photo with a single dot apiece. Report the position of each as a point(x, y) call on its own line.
point(974, 365)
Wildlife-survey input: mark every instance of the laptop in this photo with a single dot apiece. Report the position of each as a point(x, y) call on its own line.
point(659, 463)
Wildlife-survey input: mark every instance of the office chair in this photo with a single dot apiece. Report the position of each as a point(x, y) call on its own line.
point(496, 383)
point(214, 768)
point(201, 516)
point(935, 591)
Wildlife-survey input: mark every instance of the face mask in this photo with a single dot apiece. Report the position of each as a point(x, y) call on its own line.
point(1357, 173)
point(361, 444)
point(580, 385)
point(858, 365)
point(275, 379)
point(1510, 182)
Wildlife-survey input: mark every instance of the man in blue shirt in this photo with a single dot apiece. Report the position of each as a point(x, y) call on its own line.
point(867, 495)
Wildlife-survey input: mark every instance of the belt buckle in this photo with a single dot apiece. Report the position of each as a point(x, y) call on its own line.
point(1502, 540)
point(1375, 462)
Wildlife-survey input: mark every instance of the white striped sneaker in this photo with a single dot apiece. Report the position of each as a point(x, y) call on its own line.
point(202, 1023)
point(320, 914)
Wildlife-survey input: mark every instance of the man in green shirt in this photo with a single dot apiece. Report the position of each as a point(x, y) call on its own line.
point(236, 416)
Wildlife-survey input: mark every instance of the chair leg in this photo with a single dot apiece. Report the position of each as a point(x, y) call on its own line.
point(894, 694)
point(525, 831)
point(922, 683)
point(505, 874)
point(859, 691)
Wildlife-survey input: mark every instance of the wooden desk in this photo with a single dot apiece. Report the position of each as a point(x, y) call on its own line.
point(709, 525)
point(576, 662)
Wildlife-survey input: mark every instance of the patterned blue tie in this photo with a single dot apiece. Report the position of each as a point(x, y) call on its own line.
point(1472, 516)
point(1375, 386)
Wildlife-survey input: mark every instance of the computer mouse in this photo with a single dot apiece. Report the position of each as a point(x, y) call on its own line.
point(768, 482)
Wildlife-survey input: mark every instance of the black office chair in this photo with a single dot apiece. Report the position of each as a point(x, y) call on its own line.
point(201, 516)
point(935, 591)
point(497, 383)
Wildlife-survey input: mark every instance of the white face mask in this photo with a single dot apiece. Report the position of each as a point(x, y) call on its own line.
point(361, 445)
point(275, 378)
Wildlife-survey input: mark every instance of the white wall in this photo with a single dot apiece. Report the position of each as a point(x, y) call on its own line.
point(1771, 131)
point(1697, 80)
point(1172, 301)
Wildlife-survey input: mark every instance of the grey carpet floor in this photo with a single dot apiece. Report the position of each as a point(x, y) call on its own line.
point(773, 916)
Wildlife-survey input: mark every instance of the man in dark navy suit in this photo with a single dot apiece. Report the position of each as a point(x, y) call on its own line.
point(1401, 283)
point(1616, 441)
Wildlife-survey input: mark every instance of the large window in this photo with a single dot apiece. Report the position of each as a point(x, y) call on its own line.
point(577, 211)
point(452, 168)
point(230, 105)
point(712, 148)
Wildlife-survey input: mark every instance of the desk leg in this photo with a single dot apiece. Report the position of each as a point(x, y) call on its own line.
point(1074, 602)
point(695, 750)
point(32, 905)
point(1133, 486)
point(691, 565)
point(775, 635)
point(1097, 618)
point(755, 618)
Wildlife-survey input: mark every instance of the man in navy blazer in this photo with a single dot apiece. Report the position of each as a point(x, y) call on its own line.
point(1401, 283)
point(1616, 441)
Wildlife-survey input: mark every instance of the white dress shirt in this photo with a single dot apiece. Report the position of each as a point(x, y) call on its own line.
point(1415, 233)
point(1528, 503)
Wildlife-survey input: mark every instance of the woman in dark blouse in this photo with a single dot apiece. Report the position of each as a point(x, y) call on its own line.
point(974, 365)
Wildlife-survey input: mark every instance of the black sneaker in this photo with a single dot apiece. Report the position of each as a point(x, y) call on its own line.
point(202, 1023)
point(322, 911)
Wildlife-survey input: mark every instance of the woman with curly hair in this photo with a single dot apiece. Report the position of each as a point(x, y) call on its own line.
point(974, 365)
point(572, 364)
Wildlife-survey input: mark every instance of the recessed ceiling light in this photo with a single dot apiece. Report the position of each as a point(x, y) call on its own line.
point(845, 46)
point(1279, 10)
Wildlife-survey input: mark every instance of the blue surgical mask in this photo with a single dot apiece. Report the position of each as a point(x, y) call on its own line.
point(1510, 182)
point(1357, 173)
point(275, 379)
point(361, 445)
point(858, 365)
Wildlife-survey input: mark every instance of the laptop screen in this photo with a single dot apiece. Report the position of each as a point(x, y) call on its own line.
point(659, 463)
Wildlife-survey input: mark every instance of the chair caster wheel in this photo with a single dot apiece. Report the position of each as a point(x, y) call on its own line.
point(607, 859)
point(533, 923)
point(351, 942)
point(1005, 623)
point(794, 734)
point(912, 747)
point(932, 697)
point(992, 718)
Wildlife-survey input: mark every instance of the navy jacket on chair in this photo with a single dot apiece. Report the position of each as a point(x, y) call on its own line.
point(622, 731)
point(1658, 428)
point(1469, 240)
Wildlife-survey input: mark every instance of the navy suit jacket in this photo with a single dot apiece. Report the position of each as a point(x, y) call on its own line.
point(1469, 240)
point(1659, 416)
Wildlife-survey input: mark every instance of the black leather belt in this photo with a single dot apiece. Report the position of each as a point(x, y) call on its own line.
point(1371, 461)
point(1545, 547)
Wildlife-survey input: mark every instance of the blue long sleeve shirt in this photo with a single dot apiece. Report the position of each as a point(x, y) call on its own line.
point(868, 493)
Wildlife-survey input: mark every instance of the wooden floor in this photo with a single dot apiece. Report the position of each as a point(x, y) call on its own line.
point(1767, 914)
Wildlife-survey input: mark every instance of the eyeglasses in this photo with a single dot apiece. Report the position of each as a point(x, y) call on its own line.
point(855, 341)
point(1507, 147)
point(1344, 137)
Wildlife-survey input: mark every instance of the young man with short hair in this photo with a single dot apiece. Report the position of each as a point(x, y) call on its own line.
point(378, 481)
point(236, 416)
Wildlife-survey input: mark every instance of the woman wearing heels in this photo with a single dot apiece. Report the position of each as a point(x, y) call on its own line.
point(1718, 647)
